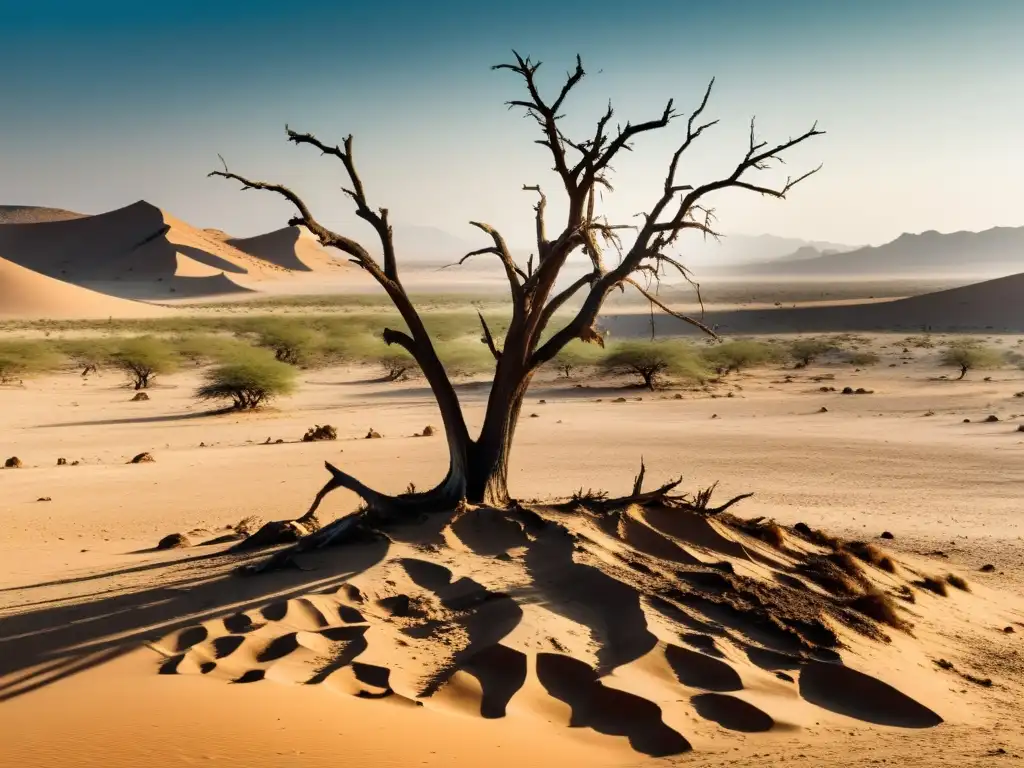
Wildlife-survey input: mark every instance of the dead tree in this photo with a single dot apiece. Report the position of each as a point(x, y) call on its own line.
point(478, 466)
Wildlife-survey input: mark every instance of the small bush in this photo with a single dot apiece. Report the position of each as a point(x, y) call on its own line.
point(20, 359)
point(652, 361)
point(248, 382)
point(958, 582)
point(880, 607)
point(862, 358)
point(969, 355)
point(806, 351)
point(869, 553)
point(204, 348)
point(576, 356)
point(739, 354)
point(144, 358)
point(933, 584)
point(291, 341)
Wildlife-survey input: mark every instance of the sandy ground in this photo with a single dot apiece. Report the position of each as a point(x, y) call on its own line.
point(90, 614)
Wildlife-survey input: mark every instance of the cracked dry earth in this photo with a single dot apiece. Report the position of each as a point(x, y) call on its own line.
point(651, 632)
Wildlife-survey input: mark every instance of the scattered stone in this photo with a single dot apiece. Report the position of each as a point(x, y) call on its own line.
point(13, 463)
point(139, 396)
point(886, 535)
point(62, 462)
point(847, 390)
point(279, 441)
point(714, 415)
point(731, 394)
point(75, 463)
point(803, 529)
point(1020, 427)
point(991, 418)
point(542, 402)
point(428, 431)
point(1018, 394)
point(987, 378)
point(678, 396)
point(372, 435)
point(1009, 630)
point(202, 445)
point(862, 391)
point(142, 458)
point(619, 400)
point(44, 498)
point(929, 413)
point(967, 421)
point(987, 568)
point(173, 541)
point(534, 415)
point(316, 433)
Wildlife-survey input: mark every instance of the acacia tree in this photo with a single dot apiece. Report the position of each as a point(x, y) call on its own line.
point(478, 467)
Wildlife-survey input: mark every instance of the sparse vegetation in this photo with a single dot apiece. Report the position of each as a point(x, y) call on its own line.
point(862, 358)
point(291, 341)
point(576, 356)
point(968, 355)
point(806, 351)
point(248, 381)
point(652, 361)
point(21, 359)
point(144, 358)
point(739, 354)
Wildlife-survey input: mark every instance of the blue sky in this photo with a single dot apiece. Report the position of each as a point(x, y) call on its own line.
point(104, 103)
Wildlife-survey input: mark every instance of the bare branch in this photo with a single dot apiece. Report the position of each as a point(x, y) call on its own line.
point(654, 300)
point(512, 271)
point(488, 339)
point(377, 219)
point(305, 218)
point(542, 240)
point(559, 299)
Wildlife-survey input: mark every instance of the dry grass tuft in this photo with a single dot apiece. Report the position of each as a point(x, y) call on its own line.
point(828, 574)
point(959, 582)
point(933, 584)
point(881, 608)
point(768, 531)
point(871, 554)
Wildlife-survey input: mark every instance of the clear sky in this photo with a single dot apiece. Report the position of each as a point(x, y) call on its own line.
point(106, 102)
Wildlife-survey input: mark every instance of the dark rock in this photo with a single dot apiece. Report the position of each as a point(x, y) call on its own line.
point(372, 435)
point(886, 535)
point(847, 390)
point(991, 418)
point(142, 458)
point(987, 568)
point(62, 462)
point(139, 396)
point(428, 431)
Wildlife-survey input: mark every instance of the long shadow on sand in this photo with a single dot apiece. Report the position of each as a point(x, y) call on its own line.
point(138, 419)
point(49, 643)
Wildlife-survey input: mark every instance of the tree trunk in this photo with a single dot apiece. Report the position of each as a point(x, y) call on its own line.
point(487, 457)
point(963, 372)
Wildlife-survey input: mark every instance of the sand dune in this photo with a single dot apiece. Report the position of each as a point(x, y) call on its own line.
point(292, 248)
point(25, 294)
point(31, 214)
point(130, 252)
point(993, 305)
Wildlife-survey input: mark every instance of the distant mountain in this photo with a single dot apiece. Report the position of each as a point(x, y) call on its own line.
point(996, 251)
point(734, 250)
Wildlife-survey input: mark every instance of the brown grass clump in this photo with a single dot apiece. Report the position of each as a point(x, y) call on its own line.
point(768, 531)
point(959, 582)
point(832, 576)
point(933, 584)
point(815, 536)
point(871, 554)
point(881, 608)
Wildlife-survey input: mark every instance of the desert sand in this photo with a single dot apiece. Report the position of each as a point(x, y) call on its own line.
point(587, 632)
point(478, 640)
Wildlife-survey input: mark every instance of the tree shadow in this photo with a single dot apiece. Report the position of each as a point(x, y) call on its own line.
point(140, 419)
point(61, 637)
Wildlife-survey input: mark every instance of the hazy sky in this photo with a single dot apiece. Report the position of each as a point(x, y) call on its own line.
point(103, 103)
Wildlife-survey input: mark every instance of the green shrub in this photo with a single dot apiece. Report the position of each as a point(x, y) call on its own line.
point(577, 355)
point(144, 358)
point(249, 380)
point(652, 361)
point(862, 358)
point(291, 341)
point(806, 351)
point(968, 355)
point(89, 354)
point(736, 355)
point(204, 348)
point(19, 359)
